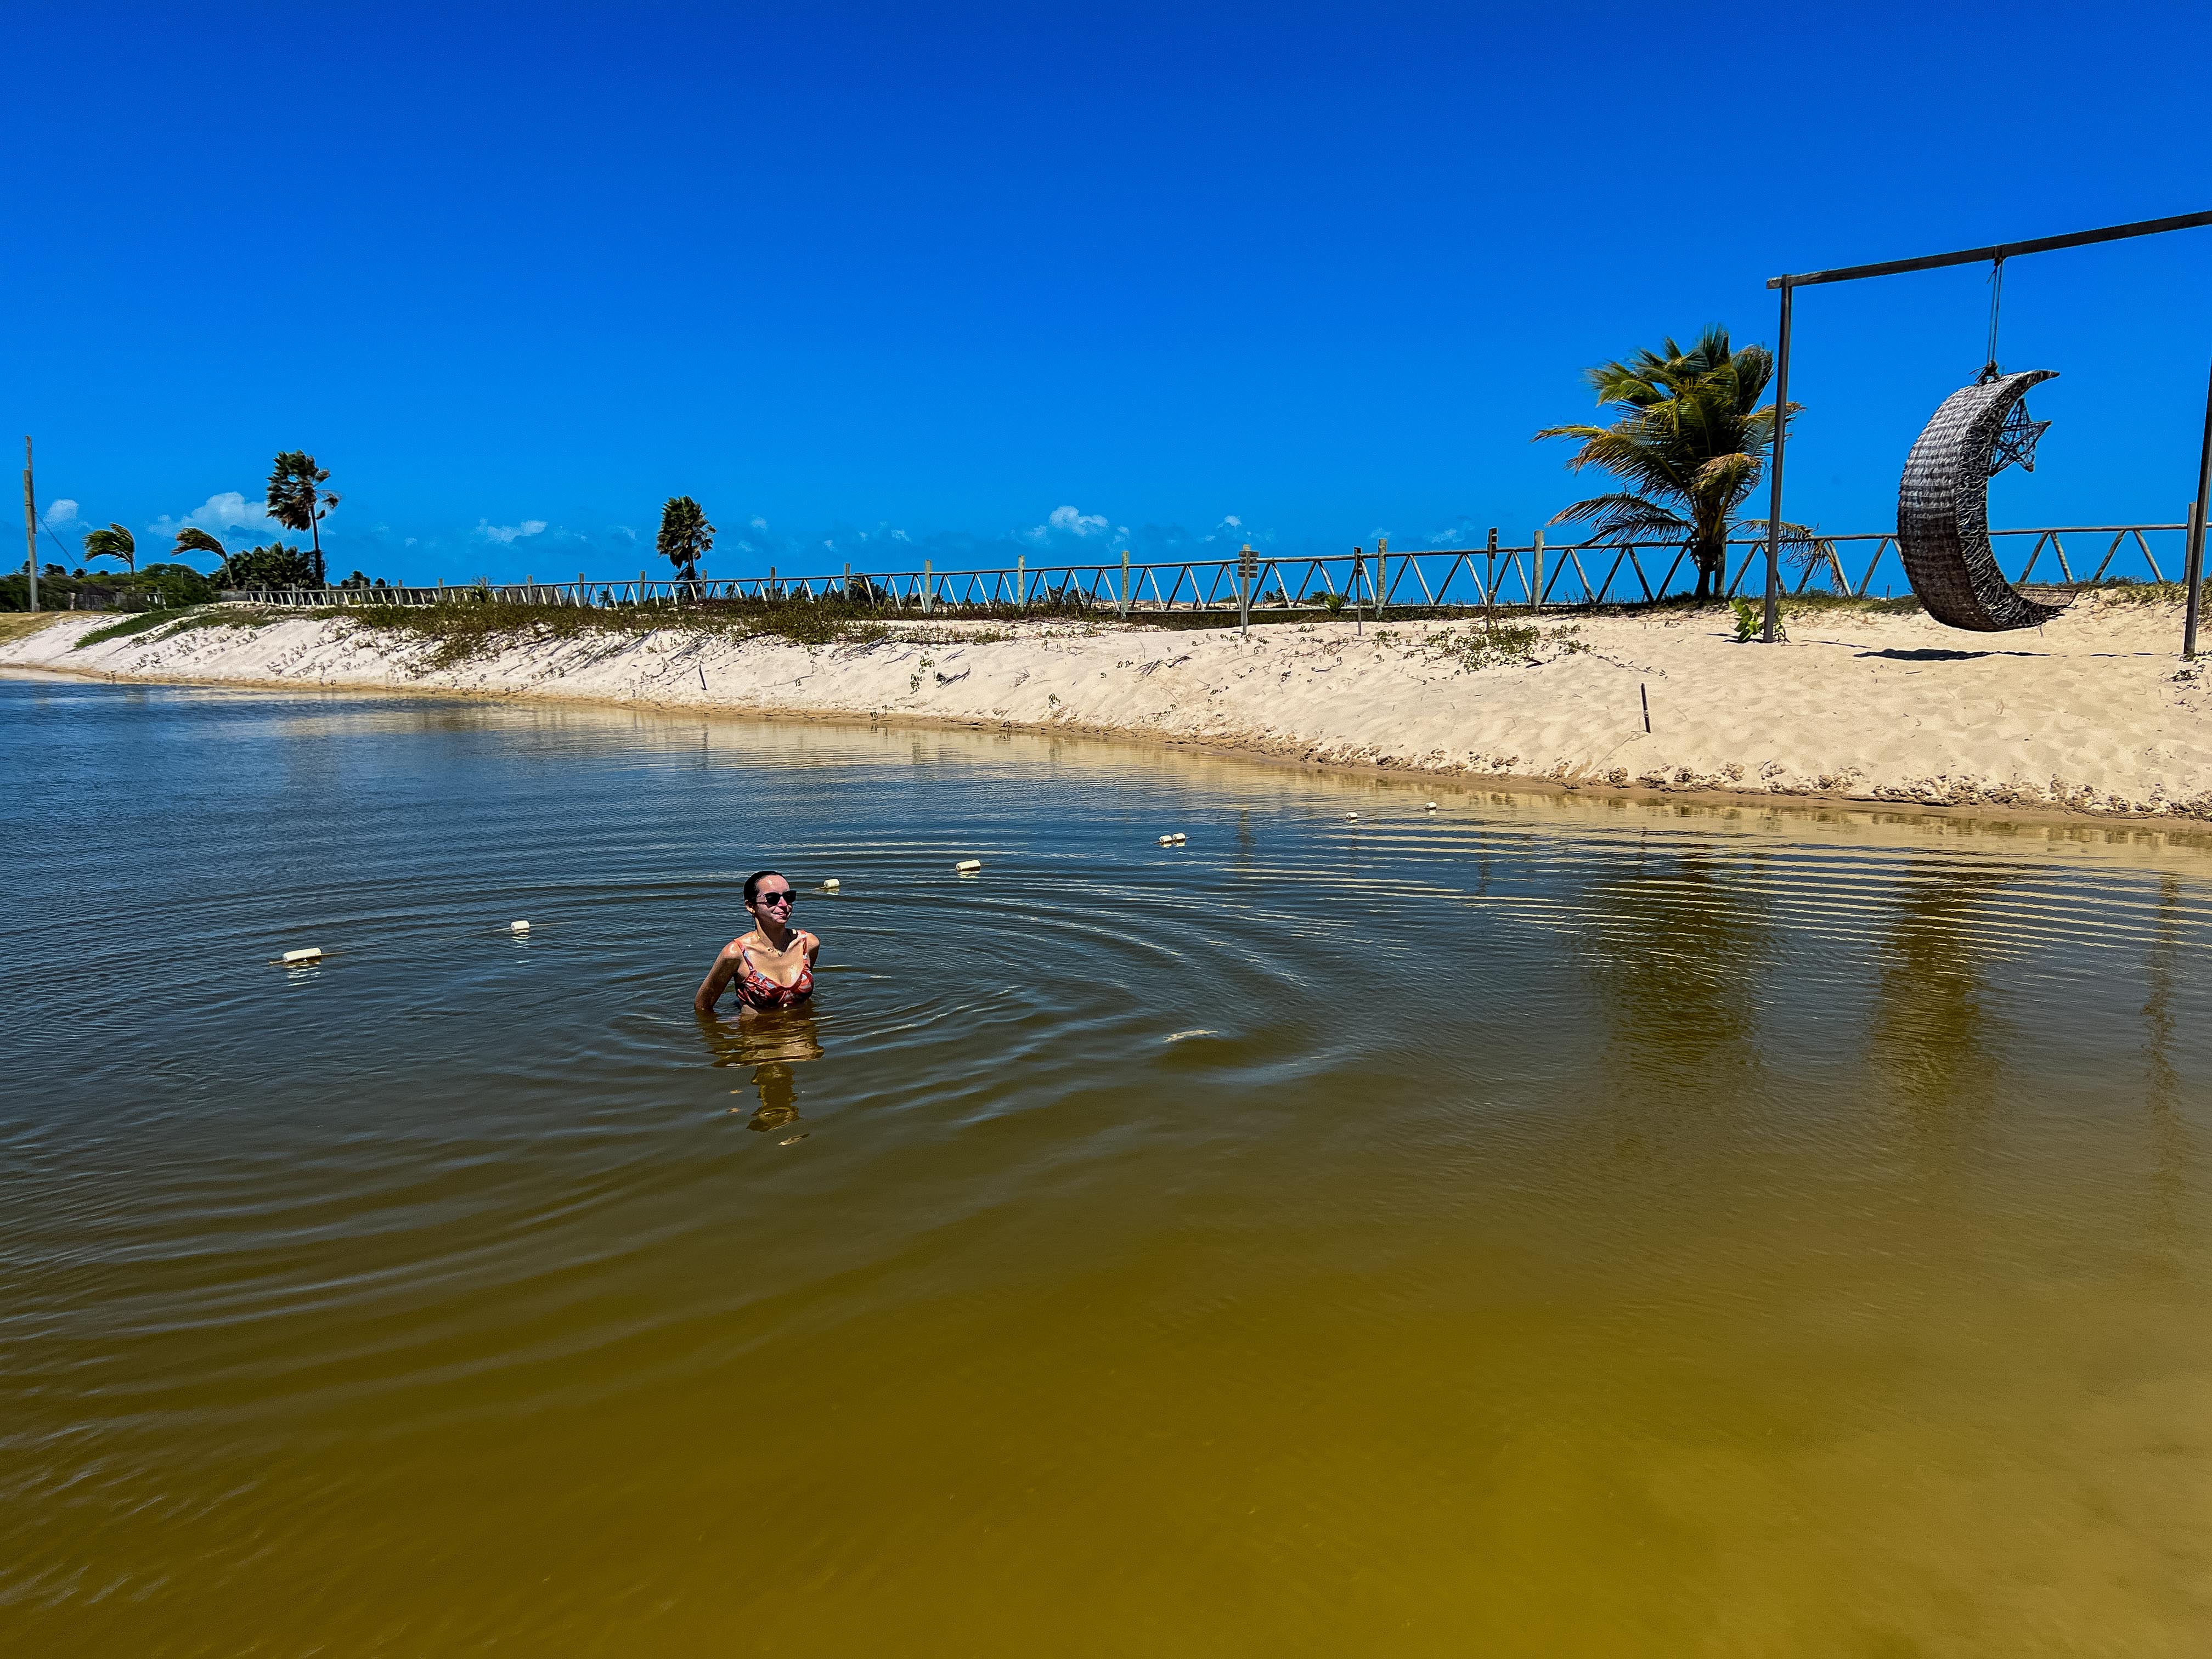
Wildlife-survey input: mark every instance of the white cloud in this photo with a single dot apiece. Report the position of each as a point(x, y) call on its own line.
point(1234, 522)
point(762, 524)
point(225, 514)
point(60, 512)
point(1067, 520)
point(507, 534)
point(228, 511)
point(1082, 524)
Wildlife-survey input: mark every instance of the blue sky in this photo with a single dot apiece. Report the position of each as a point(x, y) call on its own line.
point(878, 282)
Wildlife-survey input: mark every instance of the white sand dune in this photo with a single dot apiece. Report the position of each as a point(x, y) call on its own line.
point(2092, 713)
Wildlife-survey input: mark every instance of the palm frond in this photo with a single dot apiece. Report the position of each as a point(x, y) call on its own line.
point(113, 543)
point(1625, 518)
point(1731, 477)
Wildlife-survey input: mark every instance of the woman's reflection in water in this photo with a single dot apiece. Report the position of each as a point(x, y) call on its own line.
point(772, 1041)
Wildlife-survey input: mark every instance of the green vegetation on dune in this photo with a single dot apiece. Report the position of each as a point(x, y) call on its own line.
point(170, 623)
point(135, 622)
point(462, 630)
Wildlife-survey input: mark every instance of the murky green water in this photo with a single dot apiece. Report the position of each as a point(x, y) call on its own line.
point(1543, 1227)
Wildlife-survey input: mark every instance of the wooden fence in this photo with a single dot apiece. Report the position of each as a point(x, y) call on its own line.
point(1531, 576)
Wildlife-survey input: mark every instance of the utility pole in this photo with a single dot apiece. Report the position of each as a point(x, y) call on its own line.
point(30, 525)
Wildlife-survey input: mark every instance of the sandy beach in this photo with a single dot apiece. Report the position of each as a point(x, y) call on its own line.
point(2091, 715)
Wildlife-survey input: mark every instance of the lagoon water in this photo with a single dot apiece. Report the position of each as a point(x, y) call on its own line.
point(1541, 1227)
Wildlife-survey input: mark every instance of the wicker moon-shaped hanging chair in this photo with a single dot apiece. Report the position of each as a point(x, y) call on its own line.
point(1942, 512)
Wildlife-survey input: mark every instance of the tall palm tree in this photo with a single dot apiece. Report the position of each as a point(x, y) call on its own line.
point(1691, 440)
point(295, 503)
point(193, 539)
point(113, 543)
point(685, 534)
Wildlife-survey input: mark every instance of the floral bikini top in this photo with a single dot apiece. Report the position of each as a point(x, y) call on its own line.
point(756, 990)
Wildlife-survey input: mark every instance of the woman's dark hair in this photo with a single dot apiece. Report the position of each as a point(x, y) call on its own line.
point(753, 882)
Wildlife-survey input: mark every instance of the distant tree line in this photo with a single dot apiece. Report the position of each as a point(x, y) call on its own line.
point(296, 499)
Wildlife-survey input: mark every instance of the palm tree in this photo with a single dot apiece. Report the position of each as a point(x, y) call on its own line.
point(293, 501)
point(113, 543)
point(685, 534)
point(1691, 439)
point(193, 539)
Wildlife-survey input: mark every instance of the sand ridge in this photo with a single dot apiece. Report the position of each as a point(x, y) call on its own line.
point(2091, 714)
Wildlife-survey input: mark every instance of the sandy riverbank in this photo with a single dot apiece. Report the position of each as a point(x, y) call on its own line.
point(2091, 714)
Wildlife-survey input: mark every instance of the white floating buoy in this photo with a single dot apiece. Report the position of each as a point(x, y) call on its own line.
point(1167, 840)
point(1179, 838)
point(829, 884)
point(1431, 807)
point(1352, 817)
point(292, 957)
point(967, 866)
point(517, 927)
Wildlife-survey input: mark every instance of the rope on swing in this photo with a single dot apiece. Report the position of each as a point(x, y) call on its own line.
point(1996, 301)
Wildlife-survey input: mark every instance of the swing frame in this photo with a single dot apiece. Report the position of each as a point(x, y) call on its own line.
point(1996, 255)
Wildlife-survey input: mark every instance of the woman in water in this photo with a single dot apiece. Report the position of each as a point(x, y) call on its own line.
point(773, 966)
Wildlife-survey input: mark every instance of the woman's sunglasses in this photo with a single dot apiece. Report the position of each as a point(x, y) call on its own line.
point(785, 898)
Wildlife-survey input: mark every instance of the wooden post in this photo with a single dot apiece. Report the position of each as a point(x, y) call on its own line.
point(1351, 587)
point(846, 592)
point(1489, 582)
point(1021, 581)
point(2194, 564)
point(1536, 594)
point(1774, 492)
point(928, 585)
point(1125, 584)
point(1382, 574)
point(1244, 566)
point(30, 524)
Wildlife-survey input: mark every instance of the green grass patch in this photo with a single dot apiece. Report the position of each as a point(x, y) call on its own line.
point(2121, 591)
point(138, 622)
point(461, 630)
point(1522, 645)
point(173, 622)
